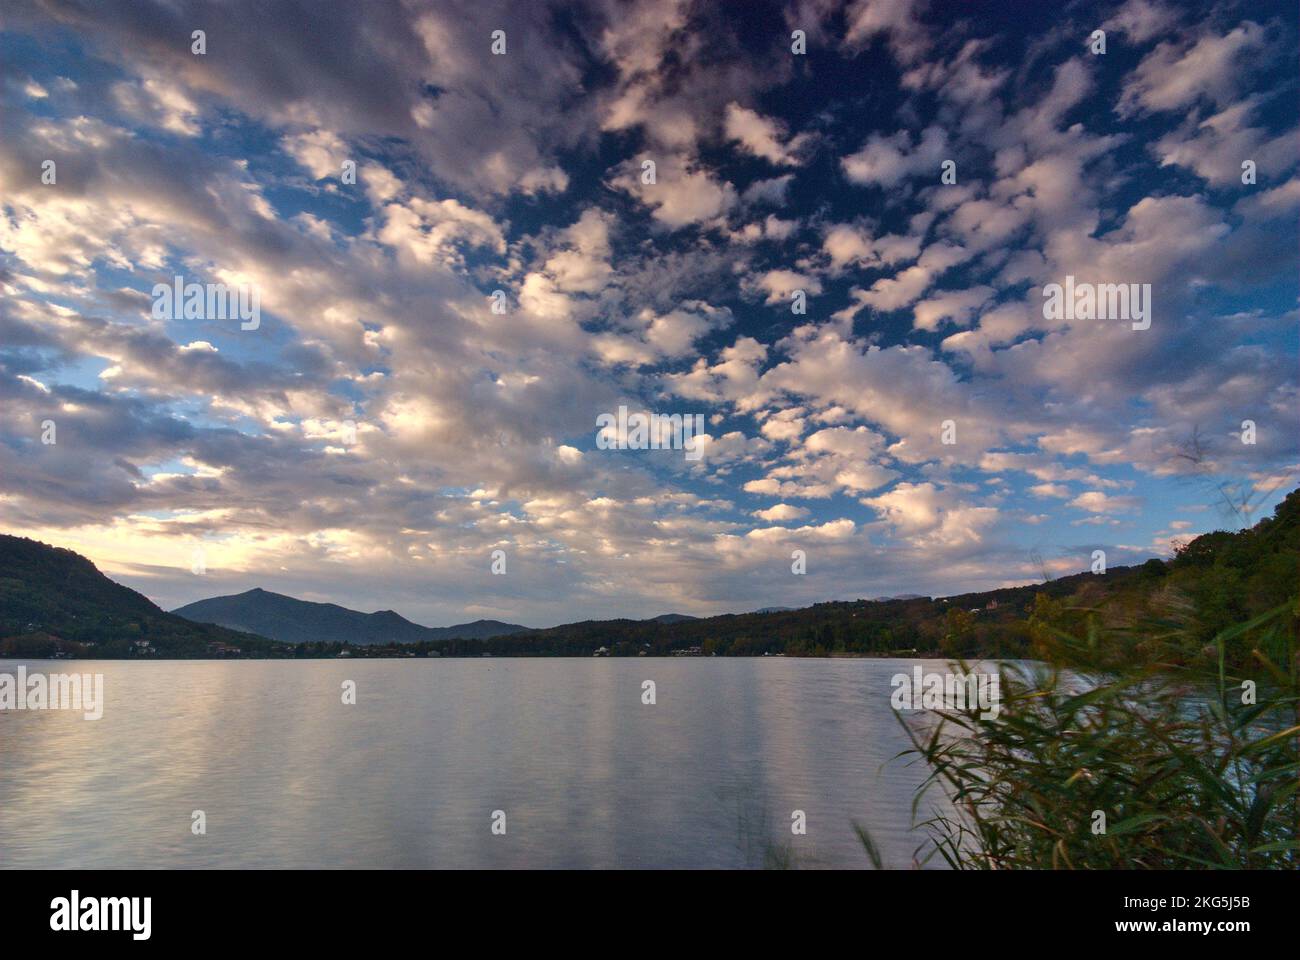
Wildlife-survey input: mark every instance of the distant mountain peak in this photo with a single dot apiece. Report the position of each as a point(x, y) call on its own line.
point(291, 620)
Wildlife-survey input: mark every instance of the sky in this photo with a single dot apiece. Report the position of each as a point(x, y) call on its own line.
point(841, 262)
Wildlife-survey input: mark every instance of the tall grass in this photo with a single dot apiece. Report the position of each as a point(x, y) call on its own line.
point(1184, 770)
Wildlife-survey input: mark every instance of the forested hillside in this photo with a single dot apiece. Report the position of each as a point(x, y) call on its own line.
point(54, 601)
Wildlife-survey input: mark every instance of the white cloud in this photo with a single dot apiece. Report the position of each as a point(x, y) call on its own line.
point(683, 193)
point(763, 137)
point(320, 152)
point(927, 512)
point(1142, 20)
point(896, 20)
point(1094, 501)
point(1175, 75)
point(887, 161)
point(781, 513)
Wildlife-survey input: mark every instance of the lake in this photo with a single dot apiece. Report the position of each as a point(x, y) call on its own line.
point(587, 775)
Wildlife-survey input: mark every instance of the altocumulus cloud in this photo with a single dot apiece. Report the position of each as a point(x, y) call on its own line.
point(441, 329)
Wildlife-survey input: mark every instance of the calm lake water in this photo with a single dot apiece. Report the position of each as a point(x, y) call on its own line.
point(587, 775)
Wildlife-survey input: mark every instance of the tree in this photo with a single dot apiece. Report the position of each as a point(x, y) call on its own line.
point(958, 627)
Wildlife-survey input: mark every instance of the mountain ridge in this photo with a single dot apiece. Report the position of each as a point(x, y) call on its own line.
point(53, 601)
point(290, 620)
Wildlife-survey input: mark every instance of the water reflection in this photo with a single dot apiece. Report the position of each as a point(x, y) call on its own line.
point(588, 776)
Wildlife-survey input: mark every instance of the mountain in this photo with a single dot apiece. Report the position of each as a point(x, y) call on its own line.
point(290, 620)
point(54, 601)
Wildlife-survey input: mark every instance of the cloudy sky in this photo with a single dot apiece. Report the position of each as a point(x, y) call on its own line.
point(383, 430)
